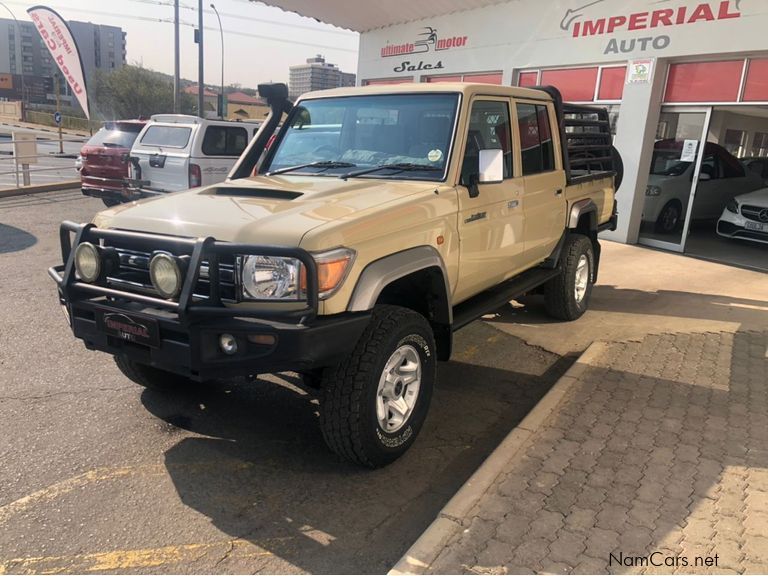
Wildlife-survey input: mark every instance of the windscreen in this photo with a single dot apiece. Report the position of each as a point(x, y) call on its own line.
point(167, 136)
point(360, 132)
point(113, 138)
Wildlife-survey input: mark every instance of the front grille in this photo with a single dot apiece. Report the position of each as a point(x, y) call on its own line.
point(133, 275)
point(753, 212)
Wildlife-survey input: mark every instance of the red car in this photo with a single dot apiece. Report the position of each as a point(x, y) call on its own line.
point(104, 160)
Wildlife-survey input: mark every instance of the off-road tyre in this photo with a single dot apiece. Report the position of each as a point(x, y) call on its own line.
point(560, 292)
point(348, 416)
point(150, 377)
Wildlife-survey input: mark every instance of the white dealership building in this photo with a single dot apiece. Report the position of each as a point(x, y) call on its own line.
point(686, 82)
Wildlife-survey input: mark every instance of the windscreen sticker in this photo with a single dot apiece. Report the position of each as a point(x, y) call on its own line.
point(435, 155)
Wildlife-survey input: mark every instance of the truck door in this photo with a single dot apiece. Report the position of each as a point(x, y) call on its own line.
point(491, 224)
point(544, 178)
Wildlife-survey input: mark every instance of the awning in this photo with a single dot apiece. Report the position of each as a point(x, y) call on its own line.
point(365, 15)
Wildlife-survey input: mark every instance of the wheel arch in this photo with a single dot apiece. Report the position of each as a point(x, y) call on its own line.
point(416, 279)
point(582, 219)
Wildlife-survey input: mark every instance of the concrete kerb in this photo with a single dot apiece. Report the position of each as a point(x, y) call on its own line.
point(65, 185)
point(422, 554)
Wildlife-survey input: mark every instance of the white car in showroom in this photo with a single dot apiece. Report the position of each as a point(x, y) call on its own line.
point(746, 217)
point(722, 178)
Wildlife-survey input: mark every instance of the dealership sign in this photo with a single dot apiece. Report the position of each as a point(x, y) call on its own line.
point(426, 41)
point(61, 44)
point(580, 26)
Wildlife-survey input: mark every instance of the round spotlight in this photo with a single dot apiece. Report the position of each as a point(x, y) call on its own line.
point(228, 344)
point(165, 275)
point(87, 262)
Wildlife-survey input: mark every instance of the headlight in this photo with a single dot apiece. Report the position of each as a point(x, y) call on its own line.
point(279, 278)
point(87, 262)
point(270, 278)
point(652, 191)
point(732, 206)
point(166, 276)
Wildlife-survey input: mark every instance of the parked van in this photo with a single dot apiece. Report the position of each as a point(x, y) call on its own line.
point(176, 152)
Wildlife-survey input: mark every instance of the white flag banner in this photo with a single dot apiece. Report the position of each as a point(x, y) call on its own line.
point(58, 38)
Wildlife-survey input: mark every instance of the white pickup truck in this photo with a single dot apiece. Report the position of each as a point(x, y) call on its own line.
point(177, 152)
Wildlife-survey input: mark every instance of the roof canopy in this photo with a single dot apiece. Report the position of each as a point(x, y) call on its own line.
point(364, 16)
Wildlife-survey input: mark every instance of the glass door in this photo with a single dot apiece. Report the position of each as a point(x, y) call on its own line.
point(675, 167)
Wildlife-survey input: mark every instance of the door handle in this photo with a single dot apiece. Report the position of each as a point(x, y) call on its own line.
point(559, 192)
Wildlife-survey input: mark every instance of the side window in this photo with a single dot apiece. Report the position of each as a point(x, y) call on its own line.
point(535, 139)
point(489, 129)
point(224, 141)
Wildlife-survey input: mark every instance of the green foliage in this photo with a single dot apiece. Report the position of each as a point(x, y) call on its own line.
point(134, 91)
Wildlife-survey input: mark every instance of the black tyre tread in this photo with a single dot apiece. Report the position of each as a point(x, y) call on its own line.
point(148, 376)
point(557, 298)
point(344, 385)
point(659, 225)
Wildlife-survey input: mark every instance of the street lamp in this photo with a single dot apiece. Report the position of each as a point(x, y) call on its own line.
point(18, 31)
point(221, 96)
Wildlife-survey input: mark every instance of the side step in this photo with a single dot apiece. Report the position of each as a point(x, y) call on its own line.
point(494, 298)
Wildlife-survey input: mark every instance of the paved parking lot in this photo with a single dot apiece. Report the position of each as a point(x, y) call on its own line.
point(100, 475)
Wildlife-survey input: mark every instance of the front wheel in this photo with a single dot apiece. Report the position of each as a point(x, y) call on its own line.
point(375, 402)
point(669, 218)
point(566, 296)
point(150, 377)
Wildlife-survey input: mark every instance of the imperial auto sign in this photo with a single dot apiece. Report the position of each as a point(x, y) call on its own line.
point(529, 33)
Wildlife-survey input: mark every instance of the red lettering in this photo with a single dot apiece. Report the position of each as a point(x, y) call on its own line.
point(662, 17)
point(638, 21)
point(681, 12)
point(576, 29)
point(51, 44)
point(594, 27)
point(725, 12)
point(702, 12)
point(616, 22)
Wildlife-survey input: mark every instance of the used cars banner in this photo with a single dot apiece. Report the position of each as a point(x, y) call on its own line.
point(58, 38)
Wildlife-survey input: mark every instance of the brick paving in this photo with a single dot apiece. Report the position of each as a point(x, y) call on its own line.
point(659, 452)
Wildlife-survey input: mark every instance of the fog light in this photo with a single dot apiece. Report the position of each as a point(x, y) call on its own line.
point(87, 262)
point(165, 275)
point(228, 344)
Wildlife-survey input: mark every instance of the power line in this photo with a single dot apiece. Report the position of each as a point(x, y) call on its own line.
point(249, 18)
point(192, 25)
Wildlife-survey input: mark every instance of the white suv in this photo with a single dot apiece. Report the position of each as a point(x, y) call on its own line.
point(177, 152)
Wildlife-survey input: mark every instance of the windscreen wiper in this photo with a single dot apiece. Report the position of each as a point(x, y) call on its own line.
point(325, 164)
point(399, 167)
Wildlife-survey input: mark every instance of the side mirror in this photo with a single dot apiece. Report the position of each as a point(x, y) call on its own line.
point(491, 166)
point(703, 177)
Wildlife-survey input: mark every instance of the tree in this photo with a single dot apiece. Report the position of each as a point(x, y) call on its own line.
point(133, 91)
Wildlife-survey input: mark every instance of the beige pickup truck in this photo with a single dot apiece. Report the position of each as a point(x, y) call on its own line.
point(358, 231)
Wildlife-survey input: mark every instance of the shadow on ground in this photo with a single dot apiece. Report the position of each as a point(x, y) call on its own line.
point(289, 495)
point(14, 239)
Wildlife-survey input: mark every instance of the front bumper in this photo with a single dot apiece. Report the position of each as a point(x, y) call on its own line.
point(188, 330)
point(734, 226)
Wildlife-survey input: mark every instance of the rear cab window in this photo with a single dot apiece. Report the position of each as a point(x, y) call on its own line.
point(535, 139)
point(166, 136)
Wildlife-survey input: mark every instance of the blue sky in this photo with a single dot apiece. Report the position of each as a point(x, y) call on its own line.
point(260, 42)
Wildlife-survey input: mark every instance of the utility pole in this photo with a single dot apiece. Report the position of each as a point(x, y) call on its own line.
point(200, 62)
point(222, 102)
point(176, 56)
point(58, 109)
